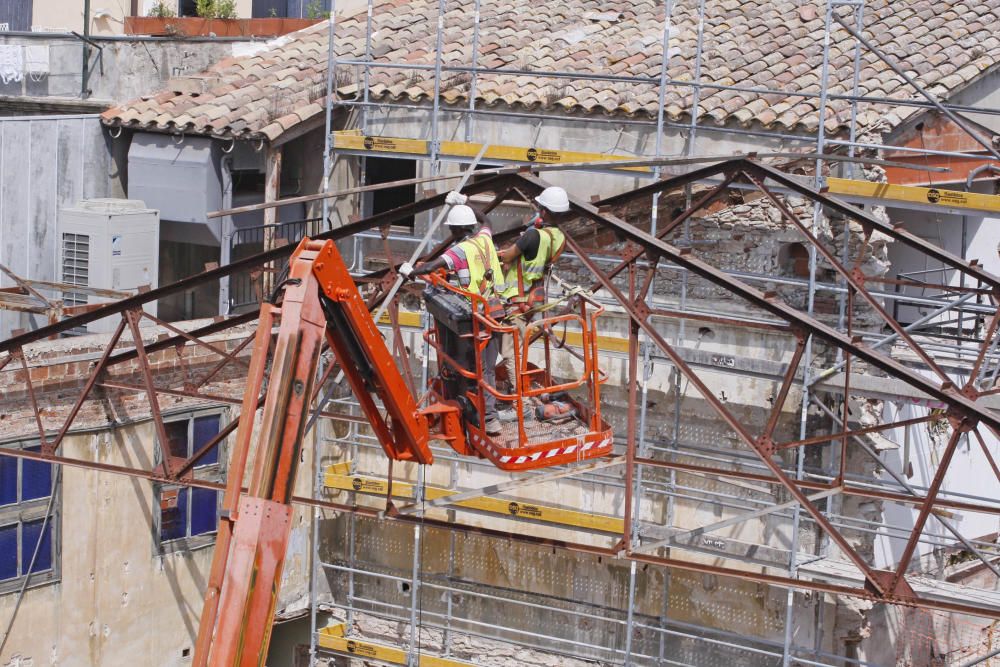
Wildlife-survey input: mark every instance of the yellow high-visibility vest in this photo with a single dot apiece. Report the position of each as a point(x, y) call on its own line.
point(481, 257)
point(524, 273)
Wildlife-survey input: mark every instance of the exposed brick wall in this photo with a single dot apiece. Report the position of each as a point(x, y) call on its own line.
point(60, 369)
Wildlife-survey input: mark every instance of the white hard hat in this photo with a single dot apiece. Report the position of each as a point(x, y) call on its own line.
point(461, 216)
point(554, 199)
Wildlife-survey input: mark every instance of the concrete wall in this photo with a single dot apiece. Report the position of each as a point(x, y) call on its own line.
point(46, 163)
point(130, 68)
point(985, 94)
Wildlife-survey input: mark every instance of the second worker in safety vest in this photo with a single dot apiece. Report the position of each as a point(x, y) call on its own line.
point(526, 262)
point(473, 259)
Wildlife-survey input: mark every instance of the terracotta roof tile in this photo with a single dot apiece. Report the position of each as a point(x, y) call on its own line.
point(747, 43)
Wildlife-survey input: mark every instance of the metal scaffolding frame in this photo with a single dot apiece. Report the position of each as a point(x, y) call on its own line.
point(824, 358)
point(847, 288)
point(966, 409)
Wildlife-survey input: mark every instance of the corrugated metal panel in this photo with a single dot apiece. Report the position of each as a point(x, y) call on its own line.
point(46, 163)
point(15, 15)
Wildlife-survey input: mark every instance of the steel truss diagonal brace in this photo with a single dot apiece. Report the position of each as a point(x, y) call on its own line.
point(949, 395)
point(763, 453)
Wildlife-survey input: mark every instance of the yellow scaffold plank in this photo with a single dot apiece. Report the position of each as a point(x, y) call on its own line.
point(407, 318)
point(334, 479)
point(351, 141)
point(883, 192)
point(914, 195)
point(332, 638)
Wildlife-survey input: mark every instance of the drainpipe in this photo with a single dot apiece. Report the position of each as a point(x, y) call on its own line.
point(85, 75)
point(226, 231)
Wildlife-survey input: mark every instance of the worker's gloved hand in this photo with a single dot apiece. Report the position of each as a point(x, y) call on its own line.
point(455, 198)
point(406, 270)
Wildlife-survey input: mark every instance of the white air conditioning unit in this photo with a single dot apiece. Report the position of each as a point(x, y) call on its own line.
point(111, 244)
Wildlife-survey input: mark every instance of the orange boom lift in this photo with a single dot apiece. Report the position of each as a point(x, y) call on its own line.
point(320, 302)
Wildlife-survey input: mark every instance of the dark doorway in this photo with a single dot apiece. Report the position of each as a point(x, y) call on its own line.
point(385, 170)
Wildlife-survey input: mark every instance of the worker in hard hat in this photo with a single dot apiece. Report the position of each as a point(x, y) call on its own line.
point(473, 259)
point(526, 263)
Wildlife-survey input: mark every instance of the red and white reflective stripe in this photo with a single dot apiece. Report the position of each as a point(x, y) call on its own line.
point(555, 451)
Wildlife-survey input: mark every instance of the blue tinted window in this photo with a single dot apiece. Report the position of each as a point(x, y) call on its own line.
point(8, 480)
point(173, 514)
point(31, 530)
point(206, 428)
point(204, 503)
point(8, 552)
point(36, 478)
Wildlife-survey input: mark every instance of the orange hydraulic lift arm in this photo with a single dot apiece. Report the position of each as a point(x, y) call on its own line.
point(320, 301)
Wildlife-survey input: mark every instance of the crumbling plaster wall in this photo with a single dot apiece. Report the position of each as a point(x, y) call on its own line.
point(116, 598)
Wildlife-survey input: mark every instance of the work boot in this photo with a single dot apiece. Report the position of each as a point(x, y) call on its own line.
point(493, 426)
point(510, 414)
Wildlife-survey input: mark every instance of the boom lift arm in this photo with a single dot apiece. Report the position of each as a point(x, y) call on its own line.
point(320, 301)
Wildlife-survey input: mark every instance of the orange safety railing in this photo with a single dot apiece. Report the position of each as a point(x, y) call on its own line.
point(484, 327)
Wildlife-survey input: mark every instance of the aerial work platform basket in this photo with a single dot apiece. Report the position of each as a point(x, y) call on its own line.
point(556, 422)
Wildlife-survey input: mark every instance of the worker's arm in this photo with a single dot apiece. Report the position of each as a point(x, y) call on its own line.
point(408, 270)
point(429, 267)
point(509, 254)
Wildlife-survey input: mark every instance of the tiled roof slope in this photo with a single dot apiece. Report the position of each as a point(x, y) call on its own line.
point(773, 44)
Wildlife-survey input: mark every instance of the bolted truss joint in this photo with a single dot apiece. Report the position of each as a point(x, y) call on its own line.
point(893, 588)
point(859, 276)
point(961, 421)
point(765, 445)
point(642, 310)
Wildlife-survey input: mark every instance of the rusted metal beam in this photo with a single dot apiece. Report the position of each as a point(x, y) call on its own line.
point(193, 339)
point(857, 491)
point(786, 386)
point(31, 396)
point(192, 461)
point(372, 513)
point(821, 439)
point(99, 368)
point(989, 456)
point(163, 442)
point(218, 326)
point(854, 279)
point(260, 259)
point(222, 364)
point(944, 393)
point(763, 448)
point(926, 507)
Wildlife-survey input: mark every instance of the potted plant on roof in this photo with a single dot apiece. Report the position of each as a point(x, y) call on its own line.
point(215, 18)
